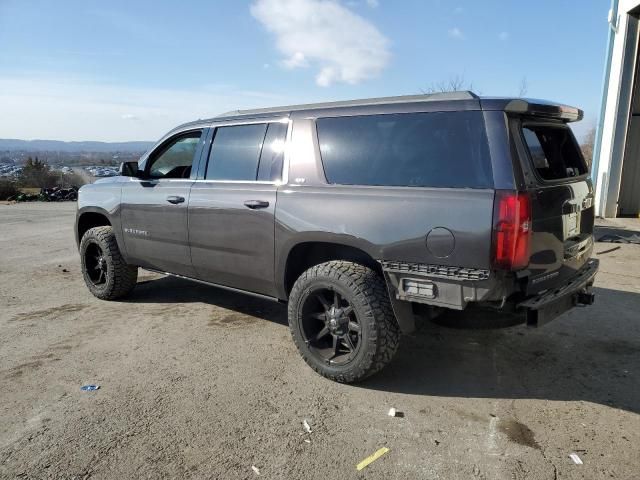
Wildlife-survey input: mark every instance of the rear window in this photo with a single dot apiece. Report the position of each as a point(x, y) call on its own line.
point(554, 152)
point(441, 149)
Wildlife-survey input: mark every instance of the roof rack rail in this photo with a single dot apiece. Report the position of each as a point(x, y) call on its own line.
point(427, 97)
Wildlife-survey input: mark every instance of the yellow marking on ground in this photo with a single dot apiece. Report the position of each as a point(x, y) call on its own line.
point(371, 458)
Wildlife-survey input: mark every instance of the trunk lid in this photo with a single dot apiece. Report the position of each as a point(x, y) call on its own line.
point(561, 197)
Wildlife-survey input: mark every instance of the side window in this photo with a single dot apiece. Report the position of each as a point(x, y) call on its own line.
point(235, 152)
point(271, 158)
point(175, 159)
point(439, 149)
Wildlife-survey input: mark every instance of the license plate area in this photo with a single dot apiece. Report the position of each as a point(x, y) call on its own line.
point(571, 224)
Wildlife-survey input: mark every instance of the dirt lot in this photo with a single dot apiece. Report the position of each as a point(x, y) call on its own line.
point(200, 383)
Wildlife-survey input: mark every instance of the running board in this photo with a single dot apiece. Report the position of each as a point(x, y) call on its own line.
point(216, 285)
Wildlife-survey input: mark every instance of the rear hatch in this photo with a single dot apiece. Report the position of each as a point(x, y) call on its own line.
point(561, 197)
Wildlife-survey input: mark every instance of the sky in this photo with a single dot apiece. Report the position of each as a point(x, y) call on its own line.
point(122, 70)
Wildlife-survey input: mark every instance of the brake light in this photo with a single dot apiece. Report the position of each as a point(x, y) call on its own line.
point(512, 230)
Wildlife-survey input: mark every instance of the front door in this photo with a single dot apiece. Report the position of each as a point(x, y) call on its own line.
point(154, 207)
point(232, 208)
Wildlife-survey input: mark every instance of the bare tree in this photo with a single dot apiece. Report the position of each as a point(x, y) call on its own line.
point(524, 87)
point(454, 84)
point(587, 145)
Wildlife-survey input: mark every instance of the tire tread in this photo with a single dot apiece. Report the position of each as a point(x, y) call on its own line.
point(125, 276)
point(371, 292)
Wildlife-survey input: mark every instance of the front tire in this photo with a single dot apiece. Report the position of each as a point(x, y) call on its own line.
point(342, 321)
point(105, 272)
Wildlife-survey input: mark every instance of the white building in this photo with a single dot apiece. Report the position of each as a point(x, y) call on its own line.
point(616, 160)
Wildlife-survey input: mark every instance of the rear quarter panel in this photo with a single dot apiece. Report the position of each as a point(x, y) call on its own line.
point(388, 223)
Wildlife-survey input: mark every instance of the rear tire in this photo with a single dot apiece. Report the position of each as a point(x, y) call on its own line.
point(364, 335)
point(105, 272)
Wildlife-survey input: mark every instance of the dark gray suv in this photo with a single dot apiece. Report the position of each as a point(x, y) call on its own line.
point(365, 216)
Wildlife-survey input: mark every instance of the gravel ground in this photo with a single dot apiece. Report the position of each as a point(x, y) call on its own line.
point(201, 383)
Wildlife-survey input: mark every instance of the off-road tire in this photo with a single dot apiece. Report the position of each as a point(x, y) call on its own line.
point(368, 295)
point(121, 277)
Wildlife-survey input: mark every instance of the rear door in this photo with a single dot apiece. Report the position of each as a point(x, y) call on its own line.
point(232, 207)
point(561, 201)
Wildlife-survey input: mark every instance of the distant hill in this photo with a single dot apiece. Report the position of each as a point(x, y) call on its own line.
point(14, 145)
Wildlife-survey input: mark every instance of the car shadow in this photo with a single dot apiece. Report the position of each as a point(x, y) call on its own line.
point(589, 354)
point(168, 289)
point(603, 231)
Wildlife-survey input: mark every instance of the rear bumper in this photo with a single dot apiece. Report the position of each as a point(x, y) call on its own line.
point(545, 307)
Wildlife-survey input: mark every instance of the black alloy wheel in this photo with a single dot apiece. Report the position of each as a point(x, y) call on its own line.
point(330, 327)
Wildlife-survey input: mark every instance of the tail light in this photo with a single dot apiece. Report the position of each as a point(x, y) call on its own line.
point(512, 230)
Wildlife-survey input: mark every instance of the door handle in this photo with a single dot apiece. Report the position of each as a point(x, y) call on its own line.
point(175, 199)
point(255, 204)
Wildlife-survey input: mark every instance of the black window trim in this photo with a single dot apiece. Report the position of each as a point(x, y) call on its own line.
point(284, 177)
point(526, 123)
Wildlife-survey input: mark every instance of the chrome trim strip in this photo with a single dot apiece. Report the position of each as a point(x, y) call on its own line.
point(254, 121)
point(252, 182)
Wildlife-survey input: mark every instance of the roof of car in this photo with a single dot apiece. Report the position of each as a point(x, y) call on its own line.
point(344, 104)
point(451, 101)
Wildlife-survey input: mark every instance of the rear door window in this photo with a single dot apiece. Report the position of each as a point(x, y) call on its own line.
point(247, 152)
point(439, 149)
point(554, 152)
point(235, 152)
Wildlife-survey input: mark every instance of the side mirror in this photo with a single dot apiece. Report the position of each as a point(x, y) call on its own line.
point(130, 169)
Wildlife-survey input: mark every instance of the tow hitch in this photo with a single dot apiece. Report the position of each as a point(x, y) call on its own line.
point(586, 297)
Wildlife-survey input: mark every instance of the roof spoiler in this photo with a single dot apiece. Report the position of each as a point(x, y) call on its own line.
point(544, 109)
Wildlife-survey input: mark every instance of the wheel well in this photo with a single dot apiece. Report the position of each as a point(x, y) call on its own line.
point(89, 220)
point(305, 255)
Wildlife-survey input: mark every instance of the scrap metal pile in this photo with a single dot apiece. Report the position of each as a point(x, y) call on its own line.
point(55, 194)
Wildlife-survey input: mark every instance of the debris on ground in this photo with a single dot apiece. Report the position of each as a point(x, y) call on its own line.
point(610, 238)
point(255, 469)
point(306, 440)
point(608, 251)
point(576, 459)
point(89, 388)
point(58, 194)
point(371, 458)
point(55, 194)
point(307, 427)
point(395, 413)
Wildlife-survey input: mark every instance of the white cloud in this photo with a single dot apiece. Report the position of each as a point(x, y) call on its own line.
point(373, 3)
point(44, 106)
point(296, 60)
point(503, 36)
point(324, 34)
point(456, 33)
